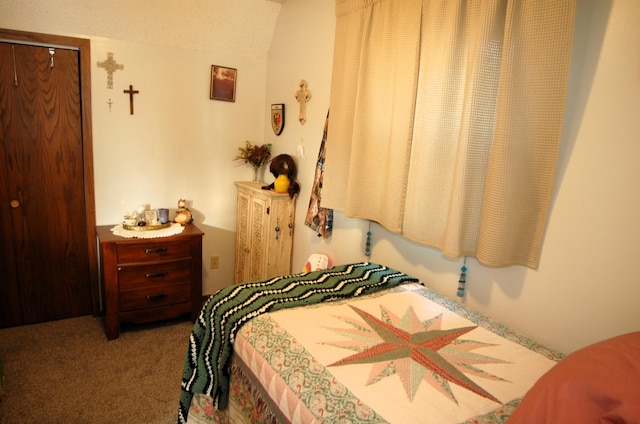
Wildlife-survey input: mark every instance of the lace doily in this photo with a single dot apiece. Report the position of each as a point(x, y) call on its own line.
point(164, 232)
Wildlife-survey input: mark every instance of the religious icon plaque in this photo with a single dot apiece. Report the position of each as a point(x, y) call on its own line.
point(277, 118)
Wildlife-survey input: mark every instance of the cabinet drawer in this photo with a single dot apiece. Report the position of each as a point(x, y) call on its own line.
point(150, 297)
point(153, 251)
point(154, 274)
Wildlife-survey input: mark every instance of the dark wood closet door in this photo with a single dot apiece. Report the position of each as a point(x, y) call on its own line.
point(44, 259)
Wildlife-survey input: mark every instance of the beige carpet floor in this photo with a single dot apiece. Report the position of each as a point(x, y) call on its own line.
point(67, 372)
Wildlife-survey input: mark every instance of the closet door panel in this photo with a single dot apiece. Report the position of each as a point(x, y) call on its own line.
point(43, 204)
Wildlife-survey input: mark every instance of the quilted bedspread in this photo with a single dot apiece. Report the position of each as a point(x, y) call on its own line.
point(208, 359)
point(402, 355)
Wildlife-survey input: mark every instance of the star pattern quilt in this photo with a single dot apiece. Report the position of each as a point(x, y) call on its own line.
point(401, 355)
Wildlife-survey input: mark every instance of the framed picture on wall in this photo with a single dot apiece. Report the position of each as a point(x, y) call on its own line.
point(223, 83)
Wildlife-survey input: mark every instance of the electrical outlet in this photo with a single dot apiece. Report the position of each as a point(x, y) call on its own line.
point(214, 262)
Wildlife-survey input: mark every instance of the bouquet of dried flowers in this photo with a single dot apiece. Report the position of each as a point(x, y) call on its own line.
point(254, 155)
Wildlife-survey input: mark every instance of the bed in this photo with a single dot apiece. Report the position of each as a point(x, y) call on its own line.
point(357, 343)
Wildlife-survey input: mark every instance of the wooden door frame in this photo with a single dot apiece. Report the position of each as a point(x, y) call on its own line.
point(84, 48)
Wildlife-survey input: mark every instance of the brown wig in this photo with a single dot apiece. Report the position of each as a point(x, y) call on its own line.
point(284, 165)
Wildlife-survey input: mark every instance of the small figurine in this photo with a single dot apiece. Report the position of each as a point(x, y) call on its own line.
point(183, 214)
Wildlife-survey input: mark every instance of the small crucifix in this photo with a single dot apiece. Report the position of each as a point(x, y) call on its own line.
point(110, 66)
point(131, 92)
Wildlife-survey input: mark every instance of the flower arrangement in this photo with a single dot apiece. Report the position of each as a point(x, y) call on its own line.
point(255, 156)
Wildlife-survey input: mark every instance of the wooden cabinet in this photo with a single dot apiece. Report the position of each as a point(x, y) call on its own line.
point(265, 226)
point(145, 280)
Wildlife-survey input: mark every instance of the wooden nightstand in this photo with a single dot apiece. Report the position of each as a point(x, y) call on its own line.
point(144, 280)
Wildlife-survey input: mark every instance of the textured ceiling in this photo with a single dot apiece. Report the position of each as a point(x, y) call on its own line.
point(239, 27)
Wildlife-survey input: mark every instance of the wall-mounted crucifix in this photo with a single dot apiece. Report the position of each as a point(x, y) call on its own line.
point(131, 92)
point(303, 95)
point(111, 66)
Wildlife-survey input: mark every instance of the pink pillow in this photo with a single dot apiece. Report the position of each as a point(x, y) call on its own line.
point(597, 384)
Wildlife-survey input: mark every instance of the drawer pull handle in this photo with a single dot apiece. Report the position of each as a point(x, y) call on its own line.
point(153, 297)
point(156, 275)
point(155, 250)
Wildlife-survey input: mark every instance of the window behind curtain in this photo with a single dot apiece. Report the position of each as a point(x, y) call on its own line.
point(446, 118)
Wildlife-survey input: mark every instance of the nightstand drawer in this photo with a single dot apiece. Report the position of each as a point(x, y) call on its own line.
point(138, 276)
point(153, 251)
point(150, 297)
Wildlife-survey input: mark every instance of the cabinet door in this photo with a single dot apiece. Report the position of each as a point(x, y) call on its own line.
point(280, 237)
point(259, 228)
point(251, 242)
point(243, 240)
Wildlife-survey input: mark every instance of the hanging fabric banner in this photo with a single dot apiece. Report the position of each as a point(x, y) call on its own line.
point(318, 218)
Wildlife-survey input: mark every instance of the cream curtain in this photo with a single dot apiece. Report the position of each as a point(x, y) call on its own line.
point(446, 117)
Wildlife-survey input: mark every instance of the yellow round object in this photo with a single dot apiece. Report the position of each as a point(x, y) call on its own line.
point(281, 184)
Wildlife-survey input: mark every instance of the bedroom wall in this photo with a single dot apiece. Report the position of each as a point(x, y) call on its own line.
point(180, 144)
point(586, 287)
